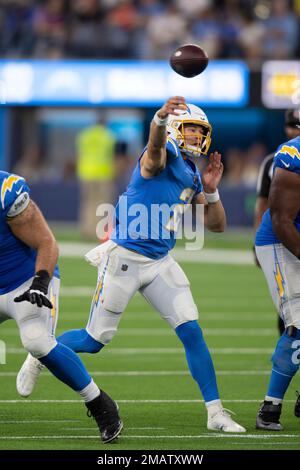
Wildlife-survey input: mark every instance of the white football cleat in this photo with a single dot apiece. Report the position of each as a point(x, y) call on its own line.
point(28, 376)
point(222, 421)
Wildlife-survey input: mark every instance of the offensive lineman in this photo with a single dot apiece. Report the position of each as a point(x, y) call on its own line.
point(163, 174)
point(292, 129)
point(278, 252)
point(28, 276)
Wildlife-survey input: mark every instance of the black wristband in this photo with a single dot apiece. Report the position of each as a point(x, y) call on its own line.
point(41, 281)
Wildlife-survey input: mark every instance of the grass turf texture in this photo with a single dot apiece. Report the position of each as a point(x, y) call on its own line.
point(238, 318)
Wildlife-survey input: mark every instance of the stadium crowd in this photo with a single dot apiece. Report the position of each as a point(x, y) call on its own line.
point(149, 29)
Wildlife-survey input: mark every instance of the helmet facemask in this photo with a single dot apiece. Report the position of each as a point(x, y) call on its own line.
point(176, 130)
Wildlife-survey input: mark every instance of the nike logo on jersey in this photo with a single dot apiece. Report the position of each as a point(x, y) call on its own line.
point(19, 191)
point(287, 165)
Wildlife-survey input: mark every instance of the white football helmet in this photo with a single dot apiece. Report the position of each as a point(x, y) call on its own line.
point(191, 115)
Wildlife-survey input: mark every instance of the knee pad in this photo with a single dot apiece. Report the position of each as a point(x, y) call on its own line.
point(36, 340)
point(172, 283)
point(105, 327)
point(286, 358)
point(106, 334)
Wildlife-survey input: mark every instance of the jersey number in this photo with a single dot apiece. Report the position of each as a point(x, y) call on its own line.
point(186, 197)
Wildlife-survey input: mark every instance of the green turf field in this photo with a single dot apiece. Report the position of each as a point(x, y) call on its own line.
point(144, 369)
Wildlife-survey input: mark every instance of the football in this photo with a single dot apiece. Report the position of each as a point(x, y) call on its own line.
point(189, 60)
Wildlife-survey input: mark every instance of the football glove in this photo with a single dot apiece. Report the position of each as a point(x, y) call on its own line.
point(37, 292)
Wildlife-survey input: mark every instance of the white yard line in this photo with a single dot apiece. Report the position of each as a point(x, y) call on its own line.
point(206, 255)
point(169, 332)
point(199, 436)
point(93, 428)
point(46, 421)
point(133, 402)
point(256, 316)
point(130, 351)
point(154, 373)
point(240, 257)
point(81, 291)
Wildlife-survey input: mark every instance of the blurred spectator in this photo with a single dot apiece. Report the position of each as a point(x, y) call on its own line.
point(190, 8)
point(30, 165)
point(242, 166)
point(120, 26)
point(96, 172)
point(85, 29)
point(206, 30)
point(149, 29)
point(234, 167)
point(16, 36)
point(281, 35)
point(124, 15)
point(69, 171)
point(166, 32)
point(148, 8)
point(251, 39)
point(231, 25)
point(141, 47)
point(49, 26)
point(124, 167)
point(252, 161)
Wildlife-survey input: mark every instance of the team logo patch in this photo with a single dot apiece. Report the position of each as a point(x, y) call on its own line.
point(124, 267)
point(289, 150)
point(7, 186)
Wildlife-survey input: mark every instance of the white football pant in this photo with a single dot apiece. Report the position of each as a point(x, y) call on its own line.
point(36, 324)
point(121, 273)
point(282, 271)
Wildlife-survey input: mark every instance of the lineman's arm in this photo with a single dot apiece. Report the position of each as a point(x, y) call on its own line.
point(263, 190)
point(284, 201)
point(31, 228)
point(261, 206)
point(154, 159)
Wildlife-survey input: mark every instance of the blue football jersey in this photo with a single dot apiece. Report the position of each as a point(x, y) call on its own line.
point(139, 224)
point(287, 157)
point(17, 260)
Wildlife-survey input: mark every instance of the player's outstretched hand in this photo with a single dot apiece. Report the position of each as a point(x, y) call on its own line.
point(212, 174)
point(35, 297)
point(172, 106)
point(37, 292)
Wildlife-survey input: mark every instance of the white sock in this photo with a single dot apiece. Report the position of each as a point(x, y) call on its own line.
point(275, 401)
point(90, 392)
point(213, 407)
